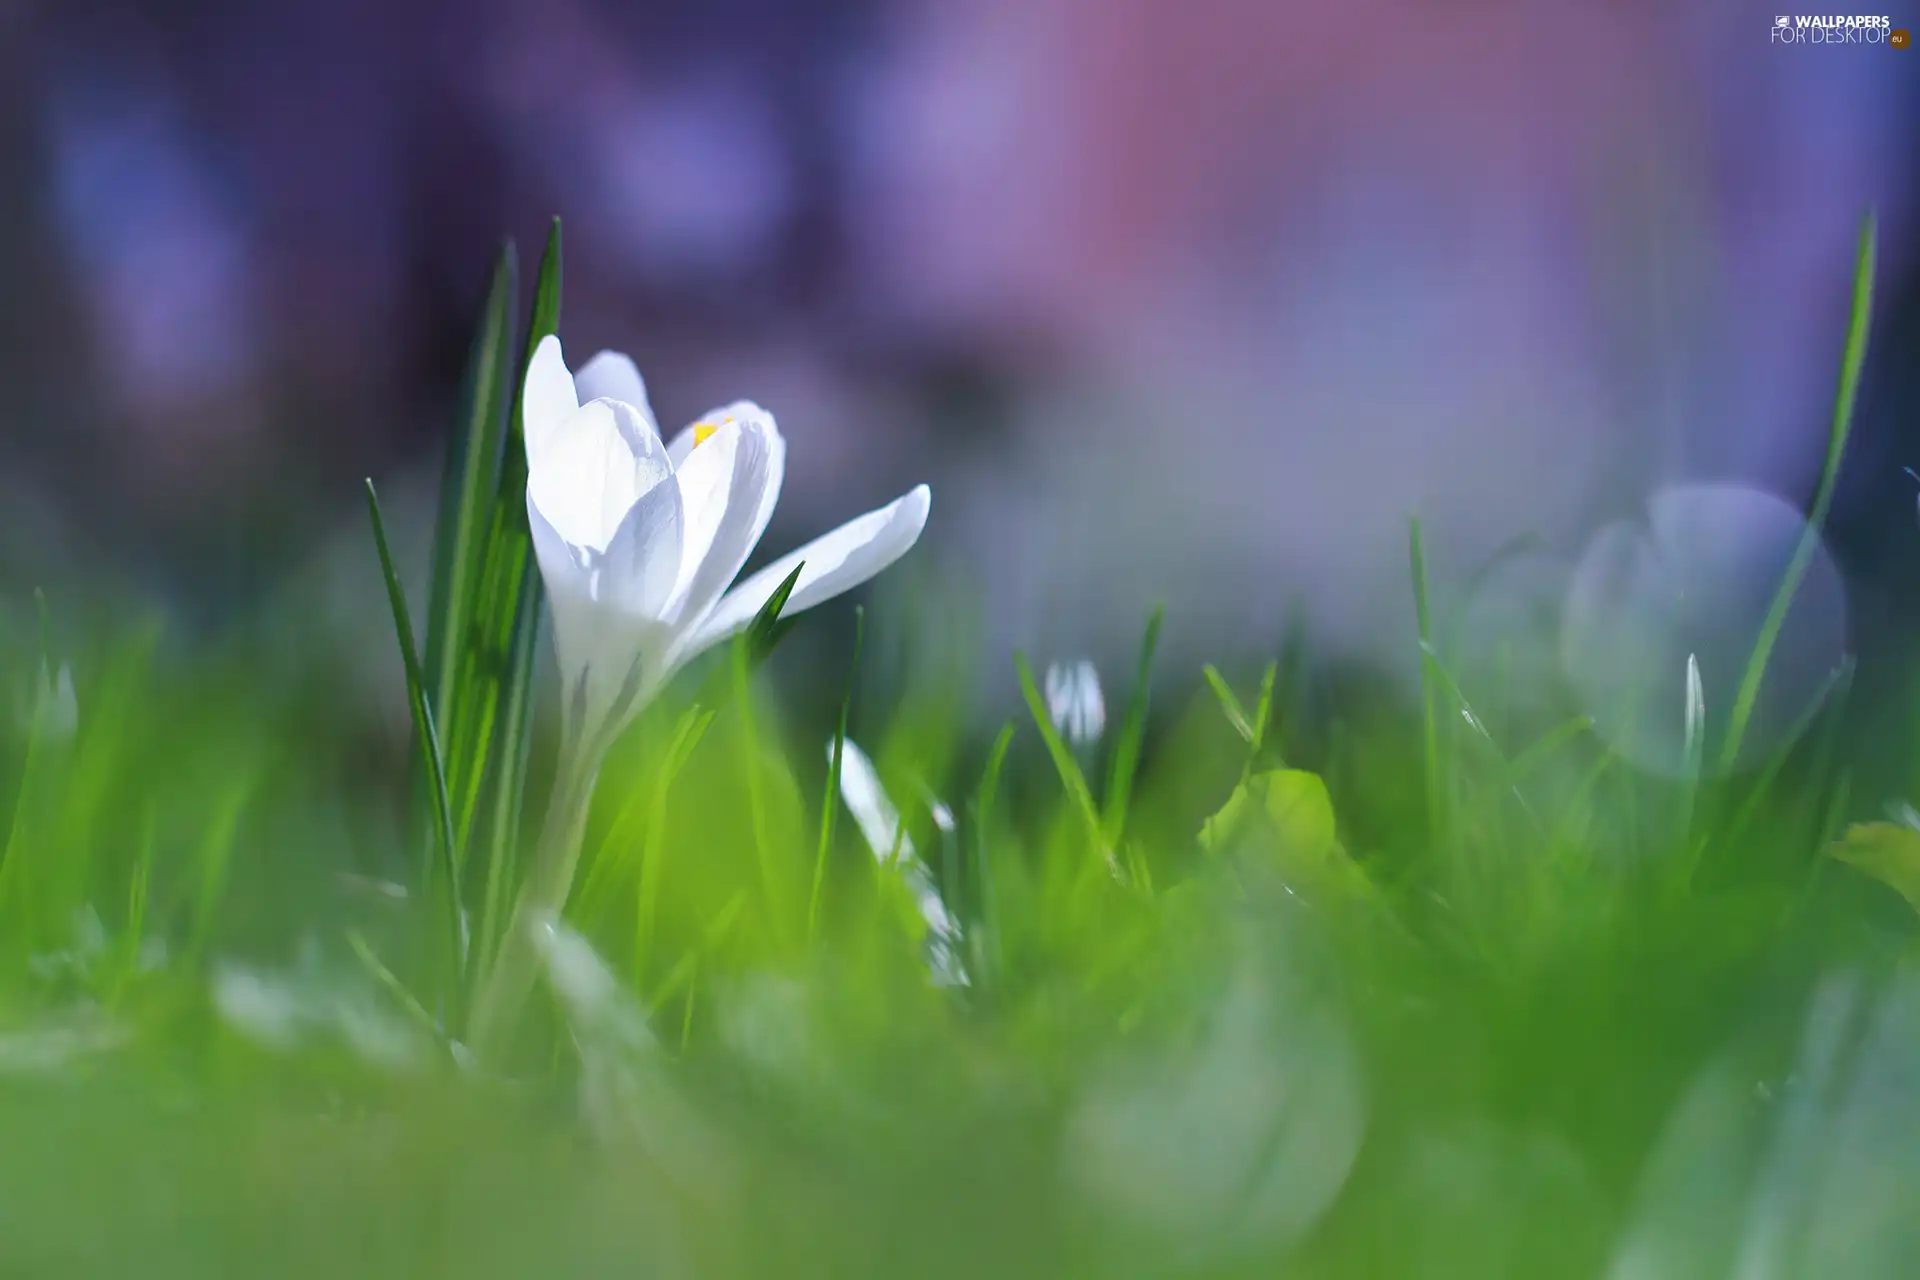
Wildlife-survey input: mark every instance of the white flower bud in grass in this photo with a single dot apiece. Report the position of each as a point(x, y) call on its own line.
point(1074, 702)
point(879, 823)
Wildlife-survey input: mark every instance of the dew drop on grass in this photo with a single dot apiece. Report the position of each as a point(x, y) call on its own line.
point(1696, 575)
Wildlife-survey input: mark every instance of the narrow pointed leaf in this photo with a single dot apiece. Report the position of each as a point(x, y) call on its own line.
point(426, 741)
point(1063, 761)
point(1852, 361)
point(768, 627)
point(509, 777)
point(830, 803)
point(507, 622)
point(980, 811)
point(1429, 693)
point(1126, 748)
point(467, 492)
point(1229, 703)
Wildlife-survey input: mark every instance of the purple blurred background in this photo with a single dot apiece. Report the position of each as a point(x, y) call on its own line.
point(1181, 299)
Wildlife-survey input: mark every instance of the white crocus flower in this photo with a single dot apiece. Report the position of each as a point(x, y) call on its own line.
point(639, 542)
point(639, 539)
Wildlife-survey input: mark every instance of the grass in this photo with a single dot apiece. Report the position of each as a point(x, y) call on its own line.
point(1327, 986)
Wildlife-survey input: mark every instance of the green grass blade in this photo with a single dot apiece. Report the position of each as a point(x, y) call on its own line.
point(741, 665)
point(1443, 682)
point(1262, 721)
point(1429, 692)
point(989, 788)
point(830, 803)
point(1063, 761)
point(980, 824)
point(1852, 360)
point(1832, 691)
point(212, 861)
point(1541, 749)
point(1263, 707)
point(544, 322)
point(768, 627)
point(127, 961)
point(1229, 703)
point(509, 783)
point(687, 734)
point(1126, 748)
point(507, 629)
point(391, 984)
point(1251, 728)
point(468, 489)
point(757, 643)
point(447, 881)
point(639, 824)
point(680, 977)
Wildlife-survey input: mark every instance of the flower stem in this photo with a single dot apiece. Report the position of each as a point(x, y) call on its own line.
point(508, 982)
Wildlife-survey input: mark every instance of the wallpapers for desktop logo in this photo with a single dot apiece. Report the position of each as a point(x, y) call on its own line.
point(1805, 28)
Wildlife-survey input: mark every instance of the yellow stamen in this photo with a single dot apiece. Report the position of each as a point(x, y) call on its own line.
point(701, 430)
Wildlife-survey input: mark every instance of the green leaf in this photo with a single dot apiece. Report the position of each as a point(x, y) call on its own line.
point(212, 861)
point(687, 733)
point(376, 969)
point(752, 762)
point(1252, 729)
point(509, 785)
point(1852, 360)
point(830, 804)
point(1887, 851)
point(1229, 703)
point(753, 646)
point(468, 488)
point(1544, 747)
point(1284, 817)
point(1063, 761)
point(1293, 803)
point(507, 628)
point(1126, 748)
point(768, 627)
point(980, 814)
point(1429, 691)
point(990, 776)
point(1263, 709)
point(637, 828)
point(427, 743)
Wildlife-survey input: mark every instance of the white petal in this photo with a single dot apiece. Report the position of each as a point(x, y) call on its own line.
point(613, 376)
point(590, 469)
point(681, 446)
point(836, 562)
point(642, 560)
point(564, 572)
point(729, 494)
point(1074, 703)
point(867, 801)
point(609, 643)
point(549, 398)
point(942, 816)
point(706, 483)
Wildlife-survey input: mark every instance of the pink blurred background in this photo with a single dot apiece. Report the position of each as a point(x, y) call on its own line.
point(1195, 301)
